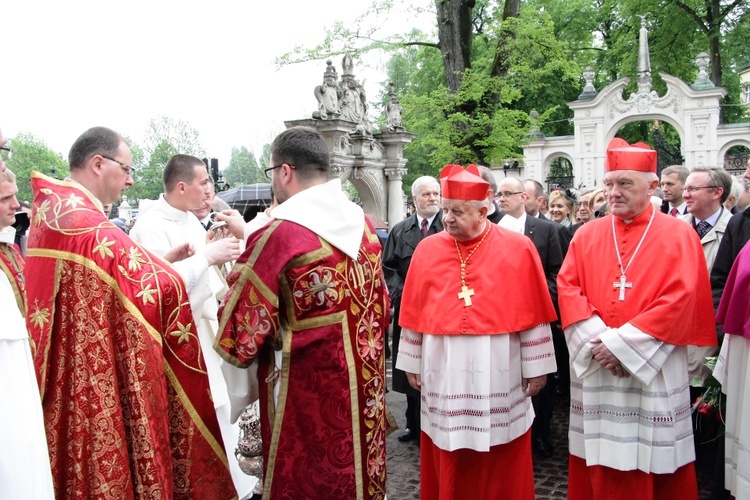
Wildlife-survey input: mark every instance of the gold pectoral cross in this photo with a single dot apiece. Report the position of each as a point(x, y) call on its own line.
point(466, 294)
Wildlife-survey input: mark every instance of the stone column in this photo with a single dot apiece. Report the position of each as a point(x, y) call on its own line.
point(395, 195)
point(395, 164)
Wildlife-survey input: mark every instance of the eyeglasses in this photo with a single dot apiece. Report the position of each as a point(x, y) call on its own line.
point(267, 170)
point(6, 153)
point(506, 194)
point(690, 189)
point(127, 168)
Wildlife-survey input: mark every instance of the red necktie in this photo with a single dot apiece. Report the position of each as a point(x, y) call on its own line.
point(673, 212)
point(424, 227)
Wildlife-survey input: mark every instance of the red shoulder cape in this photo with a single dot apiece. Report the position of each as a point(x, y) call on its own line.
point(125, 393)
point(510, 290)
point(670, 297)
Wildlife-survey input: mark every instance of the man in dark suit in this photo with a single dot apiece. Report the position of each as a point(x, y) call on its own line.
point(545, 235)
point(534, 198)
point(672, 187)
point(399, 248)
point(494, 214)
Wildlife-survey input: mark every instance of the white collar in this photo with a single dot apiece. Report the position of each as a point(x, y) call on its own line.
point(712, 219)
point(517, 225)
point(681, 208)
point(8, 235)
point(325, 210)
point(429, 220)
point(168, 211)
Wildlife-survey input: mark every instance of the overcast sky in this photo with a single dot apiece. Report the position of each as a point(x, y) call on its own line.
point(68, 66)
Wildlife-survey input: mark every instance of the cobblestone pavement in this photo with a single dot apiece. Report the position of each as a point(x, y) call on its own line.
point(550, 474)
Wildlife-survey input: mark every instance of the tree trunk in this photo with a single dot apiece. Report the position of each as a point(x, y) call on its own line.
point(714, 22)
point(500, 63)
point(455, 35)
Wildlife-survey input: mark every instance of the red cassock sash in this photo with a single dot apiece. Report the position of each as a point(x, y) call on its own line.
point(510, 290)
point(125, 393)
point(670, 297)
point(325, 435)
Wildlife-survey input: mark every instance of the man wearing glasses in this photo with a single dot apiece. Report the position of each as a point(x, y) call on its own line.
point(705, 191)
point(121, 374)
point(24, 461)
point(512, 197)
point(308, 301)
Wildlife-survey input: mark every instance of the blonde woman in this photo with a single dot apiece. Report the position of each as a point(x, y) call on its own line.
point(596, 201)
point(561, 208)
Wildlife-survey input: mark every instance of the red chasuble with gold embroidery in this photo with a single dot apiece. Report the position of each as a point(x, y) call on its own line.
point(12, 264)
point(435, 275)
point(124, 389)
point(324, 437)
point(669, 293)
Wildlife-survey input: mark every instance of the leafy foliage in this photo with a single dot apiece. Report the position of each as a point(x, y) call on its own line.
point(165, 137)
point(30, 153)
point(243, 168)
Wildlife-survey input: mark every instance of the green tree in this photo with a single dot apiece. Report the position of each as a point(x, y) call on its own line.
point(470, 111)
point(678, 31)
point(30, 153)
point(243, 168)
point(183, 138)
point(497, 60)
point(165, 137)
point(264, 160)
point(486, 120)
point(147, 178)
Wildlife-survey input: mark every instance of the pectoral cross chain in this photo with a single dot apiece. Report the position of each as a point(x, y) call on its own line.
point(622, 285)
point(466, 294)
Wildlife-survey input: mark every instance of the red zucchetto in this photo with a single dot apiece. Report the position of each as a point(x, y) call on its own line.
point(457, 183)
point(624, 156)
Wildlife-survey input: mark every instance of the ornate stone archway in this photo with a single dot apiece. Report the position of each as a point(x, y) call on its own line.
point(692, 109)
point(372, 161)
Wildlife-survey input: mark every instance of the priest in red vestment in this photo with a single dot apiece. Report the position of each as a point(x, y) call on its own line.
point(126, 399)
point(308, 302)
point(628, 317)
point(477, 349)
point(24, 457)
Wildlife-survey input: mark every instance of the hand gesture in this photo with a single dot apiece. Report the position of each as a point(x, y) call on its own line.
point(222, 251)
point(179, 253)
point(234, 220)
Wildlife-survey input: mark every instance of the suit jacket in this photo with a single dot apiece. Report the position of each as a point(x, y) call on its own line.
point(711, 240)
point(495, 216)
point(545, 235)
point(402, 240)
point(736, 235)
point(665, 209)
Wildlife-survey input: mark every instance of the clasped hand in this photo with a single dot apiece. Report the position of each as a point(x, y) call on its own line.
point(606, 359)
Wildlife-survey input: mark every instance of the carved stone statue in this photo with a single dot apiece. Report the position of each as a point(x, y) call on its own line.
point(345, 99)
point(347, 65)
point(393, 113)
point(327, 95)
point(353, 100)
